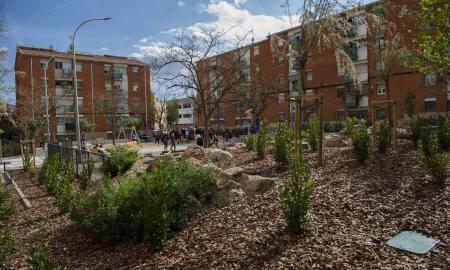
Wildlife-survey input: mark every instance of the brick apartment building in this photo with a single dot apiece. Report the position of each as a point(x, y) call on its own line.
point(324, 76)
point(97, 75)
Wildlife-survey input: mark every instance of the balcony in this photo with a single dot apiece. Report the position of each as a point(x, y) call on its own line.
point(67, 72)
point(117, 76)
point(69, 127)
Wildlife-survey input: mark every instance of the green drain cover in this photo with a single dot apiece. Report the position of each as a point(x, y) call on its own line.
point(413, 242)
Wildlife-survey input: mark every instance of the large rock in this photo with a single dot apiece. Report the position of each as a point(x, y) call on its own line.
point(220, 155)
point(335, 141)
point(193, 151)
point(141, 166)
point(234, 195)
point(256, 184)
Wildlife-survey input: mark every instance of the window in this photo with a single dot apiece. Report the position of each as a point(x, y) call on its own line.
point(280, 42)
point(187, 115)
point(79, 67)
point(309, 75)
point(79, 84)
point(381, 89)
point(43, 64)
point(107, 69)
point(135, 70)
point(255, 50)
point(280, 80)
point(257, 69)
point(187, 105)
point(58, 65)
point(180, 116)
point(340, 91)
point(309, 92)
point(135, 87)
point(280, 60)
point(430, 105)
point(430, 79)
point(380, 65)
point(379, 42)
point(280, 98)
point(380, 113)
point(108, 86)
point(340, 116)
point(281, 117)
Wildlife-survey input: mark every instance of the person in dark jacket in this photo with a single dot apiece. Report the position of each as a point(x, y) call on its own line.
point(173, 143)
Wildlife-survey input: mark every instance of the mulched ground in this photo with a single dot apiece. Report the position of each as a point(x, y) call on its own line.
point(356, 209)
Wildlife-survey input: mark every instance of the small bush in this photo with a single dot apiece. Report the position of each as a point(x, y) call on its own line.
point(260, 143)
point(360, 141)
point(155, 215)
point(383, 136)
point(350, 123)
point(118, 160)
point(10, 148)
point(40, 258)
point(27, 160)
point(7, 243)
point(250, 142)
point(417, 126)
point(435, 166)
point(313, 132)
point(443, 135)
point(283, 145)
point(86, 174)
point(295, 196)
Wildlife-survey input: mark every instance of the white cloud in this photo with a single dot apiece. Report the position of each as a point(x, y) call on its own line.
point(3, 50)
point(180, 3)
point(228, 16)
point(103, 50)
point(239, 2)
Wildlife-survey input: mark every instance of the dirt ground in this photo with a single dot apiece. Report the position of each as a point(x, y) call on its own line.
point(356, 209)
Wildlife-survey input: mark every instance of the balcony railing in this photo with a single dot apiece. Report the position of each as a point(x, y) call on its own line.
point(67, 72)
point(117, 76)
point(69, 126)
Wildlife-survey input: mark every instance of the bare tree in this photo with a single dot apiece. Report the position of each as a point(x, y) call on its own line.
point(324, 25)
point(202, 76)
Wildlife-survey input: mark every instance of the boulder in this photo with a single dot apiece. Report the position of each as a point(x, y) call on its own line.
point(220, 155)
point(239, 145)
point(193, 151)
point(234, 195)
point(234, 172)
point(335, 141)
point(250, 170)
point(193, 161)
point(270, 147)
point(256, 184)
point(140, 167)
point(230, 149)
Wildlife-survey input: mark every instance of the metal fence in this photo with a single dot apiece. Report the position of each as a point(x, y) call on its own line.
point(77, 158)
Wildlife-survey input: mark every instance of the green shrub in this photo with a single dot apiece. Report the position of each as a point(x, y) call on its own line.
point(40, 258)
point(283, 145)
point(10, 148)
point(260, 143)
point(417, 126)
point(383, 136)
point(118, 160)
point(360, 141)
point(435, 166)
point(86, 174)
point(250, 142)
point(295, 196)
point(443, 135)
point(313, 132)
point(27, 160)
point(350, 123)
point(7, 243)
point(155, 214)
point(113, 211)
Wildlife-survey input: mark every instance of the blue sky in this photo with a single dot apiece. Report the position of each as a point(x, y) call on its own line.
point(137, 27)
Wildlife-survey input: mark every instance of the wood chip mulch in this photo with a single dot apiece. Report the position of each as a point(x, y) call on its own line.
point(356, 209)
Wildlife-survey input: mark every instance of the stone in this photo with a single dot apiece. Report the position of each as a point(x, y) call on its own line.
point(193, 151)
point(234, 171)
point(335, 141)
point(234, 195)
point(193, 161)
point(270, 147)
point(250, 170)
point(230, 149)
point(220, 155)
point(256, 184)
point(239, 145)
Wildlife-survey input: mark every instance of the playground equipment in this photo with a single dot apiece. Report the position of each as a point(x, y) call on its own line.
point(132, 132)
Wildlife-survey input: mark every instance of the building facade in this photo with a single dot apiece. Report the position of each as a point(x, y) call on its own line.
point(323, 75)
point(97, 77)
point(186, 117)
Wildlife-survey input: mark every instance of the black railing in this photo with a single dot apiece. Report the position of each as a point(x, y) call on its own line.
point(71, 155)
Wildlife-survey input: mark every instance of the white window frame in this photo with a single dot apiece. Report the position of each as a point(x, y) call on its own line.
point(255, 50)
point(107, 69)
point(430, 79)
point(79, 67)
point(280, 42)
point(108, 84)
point(281, 98)
point(135, 87)
point(378, 86)
point(309, 75)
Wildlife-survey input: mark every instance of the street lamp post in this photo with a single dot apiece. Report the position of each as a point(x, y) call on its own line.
point(75, 84)
point(46, 98)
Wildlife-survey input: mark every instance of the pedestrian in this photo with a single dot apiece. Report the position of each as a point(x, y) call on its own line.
point(173, 144)
point(157, 137)
point(165, 141)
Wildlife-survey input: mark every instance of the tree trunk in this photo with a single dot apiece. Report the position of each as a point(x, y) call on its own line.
point(205, 132)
